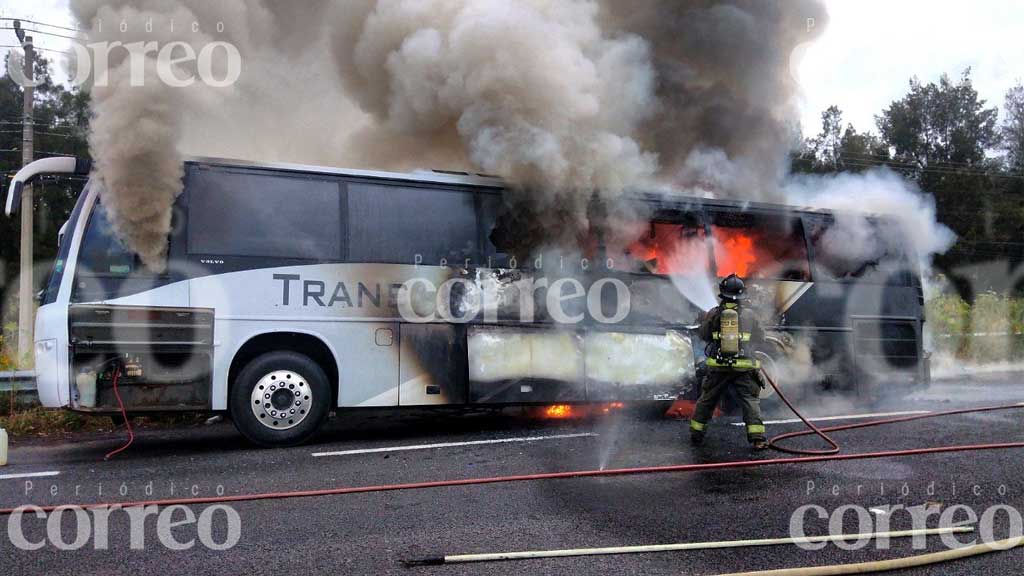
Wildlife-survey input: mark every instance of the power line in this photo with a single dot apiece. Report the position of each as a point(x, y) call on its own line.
point(47, 152)
point(35, 47)
point(17, 120)
point(38, 132)
point(33, 31)
point(940, 164)
point(937, 167)
point(895, 164)
point(41, 23)
point(890, 158)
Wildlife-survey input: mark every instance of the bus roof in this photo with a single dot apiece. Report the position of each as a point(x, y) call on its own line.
point(433, 176)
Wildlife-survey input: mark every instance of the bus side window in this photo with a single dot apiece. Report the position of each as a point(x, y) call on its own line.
point(760, 245)
point(242, 214)
point(496, 252)
point(408, 225)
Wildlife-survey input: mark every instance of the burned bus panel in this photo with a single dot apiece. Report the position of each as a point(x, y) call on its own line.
point(511, 365)
point(433, 365)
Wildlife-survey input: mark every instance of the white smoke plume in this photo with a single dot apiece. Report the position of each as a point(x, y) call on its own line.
point(878, 191)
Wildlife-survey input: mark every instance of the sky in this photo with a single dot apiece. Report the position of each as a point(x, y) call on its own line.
point(861, 63)
point(871, 48)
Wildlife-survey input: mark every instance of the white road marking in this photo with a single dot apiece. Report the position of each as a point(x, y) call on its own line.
point(451, 444)
point(846, 417)
point(29, 475)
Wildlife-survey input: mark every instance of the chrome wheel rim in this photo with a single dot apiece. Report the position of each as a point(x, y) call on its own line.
point(281, 399)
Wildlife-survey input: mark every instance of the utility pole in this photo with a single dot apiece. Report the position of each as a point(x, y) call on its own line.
point(26, 300)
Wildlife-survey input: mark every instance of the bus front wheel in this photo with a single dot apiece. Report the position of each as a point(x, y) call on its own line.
point(280, 399)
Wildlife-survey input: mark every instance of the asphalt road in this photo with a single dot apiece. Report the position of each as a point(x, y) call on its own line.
point(371, 533)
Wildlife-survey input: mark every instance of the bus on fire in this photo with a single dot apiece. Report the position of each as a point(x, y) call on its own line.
point(291, 291)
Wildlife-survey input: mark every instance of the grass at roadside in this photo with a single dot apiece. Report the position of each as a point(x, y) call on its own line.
point(38, 421)
point(43, 422)
point(989, 331)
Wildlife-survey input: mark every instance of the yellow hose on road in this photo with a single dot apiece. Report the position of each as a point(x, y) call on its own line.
point(895, 564)
point(504, 556)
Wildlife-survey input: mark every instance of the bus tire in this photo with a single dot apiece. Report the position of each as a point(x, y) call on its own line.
point(280, 399)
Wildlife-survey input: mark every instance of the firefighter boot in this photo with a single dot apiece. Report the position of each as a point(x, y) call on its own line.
point(696, 432)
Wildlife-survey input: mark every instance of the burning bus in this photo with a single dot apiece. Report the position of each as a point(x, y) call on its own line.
point(291, 291)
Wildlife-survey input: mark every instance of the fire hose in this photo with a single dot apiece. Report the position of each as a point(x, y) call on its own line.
point(828, 456)
point(822, 433)
point(809, 456)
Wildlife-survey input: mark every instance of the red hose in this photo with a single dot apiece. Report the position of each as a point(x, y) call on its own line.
point(124, 415)
point(819, 456)
point(542, 476)
point(773, 443)
point(822, 432)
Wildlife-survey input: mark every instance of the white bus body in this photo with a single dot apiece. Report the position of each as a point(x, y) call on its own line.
point(283, 299)
point(248, 276)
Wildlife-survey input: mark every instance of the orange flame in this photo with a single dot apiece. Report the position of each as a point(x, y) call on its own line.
point(665, 249)
point(734, 251)
point(559, 411)
point(565, 411)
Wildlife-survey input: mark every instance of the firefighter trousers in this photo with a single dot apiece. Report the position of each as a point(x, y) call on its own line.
point(747, 384)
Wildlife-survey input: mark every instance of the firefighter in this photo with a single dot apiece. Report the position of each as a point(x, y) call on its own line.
point(733, 334)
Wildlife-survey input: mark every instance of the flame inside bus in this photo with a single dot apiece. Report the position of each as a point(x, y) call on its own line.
point(734, 251)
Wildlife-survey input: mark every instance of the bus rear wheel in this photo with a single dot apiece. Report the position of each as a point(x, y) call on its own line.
point(280, 399)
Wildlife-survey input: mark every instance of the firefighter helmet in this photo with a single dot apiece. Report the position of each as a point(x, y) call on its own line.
point(731, 288)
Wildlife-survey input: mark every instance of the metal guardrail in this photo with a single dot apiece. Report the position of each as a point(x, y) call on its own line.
point(22, 380)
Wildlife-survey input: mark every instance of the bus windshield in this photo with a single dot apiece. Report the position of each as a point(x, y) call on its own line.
point(102, 252)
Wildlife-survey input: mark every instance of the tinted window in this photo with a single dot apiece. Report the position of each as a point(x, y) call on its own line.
point(250, 214)
point(404, 225)
point(496, 252)
point(754, 245)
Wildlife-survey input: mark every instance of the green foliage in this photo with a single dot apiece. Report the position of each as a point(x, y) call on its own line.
point(939, 124)
point(38, 421)
point(838, 149)
point(1011, 130)
point(990, 330)
point(61, 118)
point(944, 138)
point(43, 422)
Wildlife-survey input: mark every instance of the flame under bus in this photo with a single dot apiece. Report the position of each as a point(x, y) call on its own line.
point(263, 258)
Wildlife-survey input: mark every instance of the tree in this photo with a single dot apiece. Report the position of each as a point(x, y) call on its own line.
point(836, 149)
point(941, 135)
point(60, 120)
point(1011, 131)
point(940, 125)
point(828, 143)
